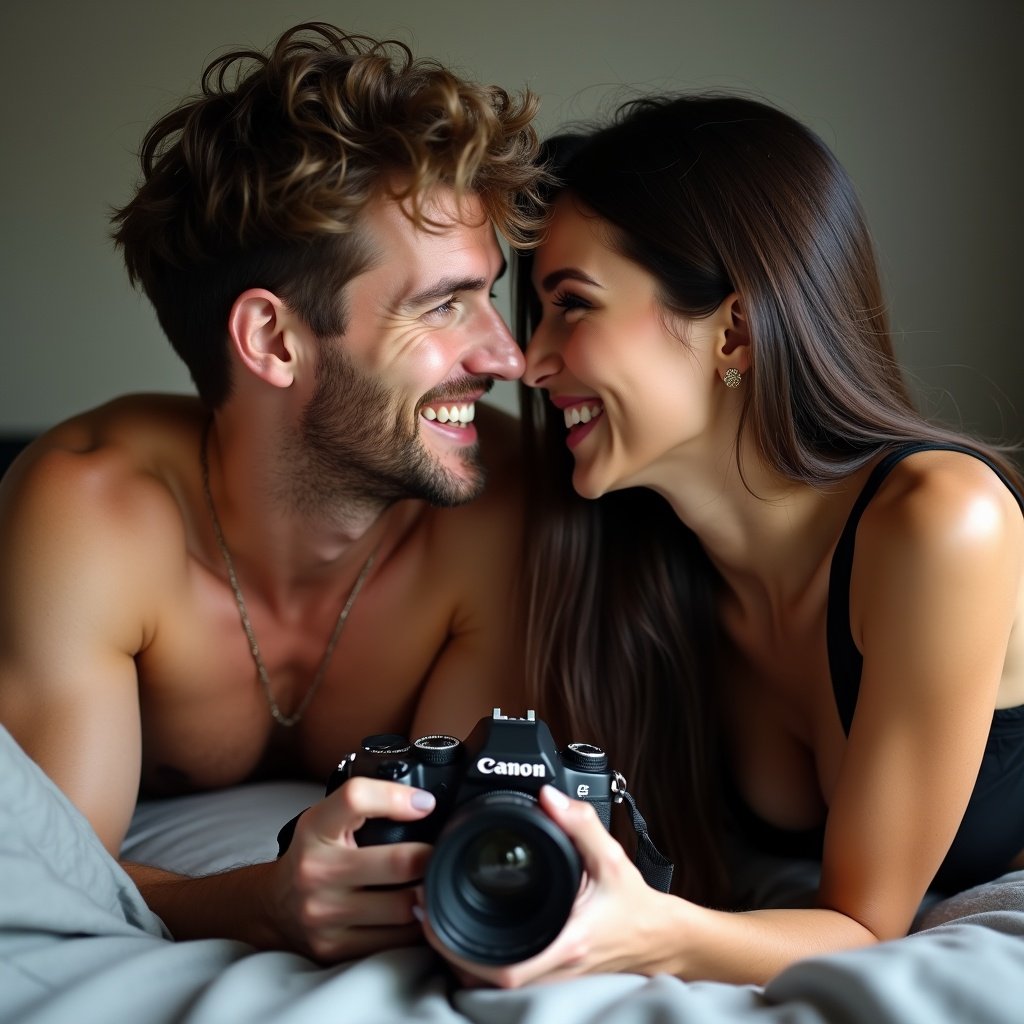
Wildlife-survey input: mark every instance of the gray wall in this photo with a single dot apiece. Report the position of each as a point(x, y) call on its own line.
point(919, 98)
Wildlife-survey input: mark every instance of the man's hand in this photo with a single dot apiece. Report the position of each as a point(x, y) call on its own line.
point(332, 899)
point(325, 897)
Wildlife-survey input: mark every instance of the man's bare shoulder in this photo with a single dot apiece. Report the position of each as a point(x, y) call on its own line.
point(114, 475)
point(144, 426)
point(142, 433)
point(94, 535)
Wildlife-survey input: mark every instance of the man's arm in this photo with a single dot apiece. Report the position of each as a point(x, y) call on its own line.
point(71, 619)
point(324, 897)
point(84, 546)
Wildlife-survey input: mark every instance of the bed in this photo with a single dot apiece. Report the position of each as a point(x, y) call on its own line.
point(77, 942)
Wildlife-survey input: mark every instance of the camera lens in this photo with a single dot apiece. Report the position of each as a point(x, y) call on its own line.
point(501, 880)
point(502, 865)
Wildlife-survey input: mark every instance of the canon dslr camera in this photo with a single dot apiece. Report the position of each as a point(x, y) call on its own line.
point(503, 876)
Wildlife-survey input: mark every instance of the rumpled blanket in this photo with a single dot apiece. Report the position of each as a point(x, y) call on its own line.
point(78, 944)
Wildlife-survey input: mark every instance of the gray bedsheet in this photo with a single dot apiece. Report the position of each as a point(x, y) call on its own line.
point(78, 944)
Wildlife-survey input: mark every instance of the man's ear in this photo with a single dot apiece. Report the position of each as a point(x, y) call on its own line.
point(258, 328)
point(735, 349)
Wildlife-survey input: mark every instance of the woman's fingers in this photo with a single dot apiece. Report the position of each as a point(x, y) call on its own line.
point(579, 820)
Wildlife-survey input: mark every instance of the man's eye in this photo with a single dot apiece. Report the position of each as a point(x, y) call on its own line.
point(445, 309)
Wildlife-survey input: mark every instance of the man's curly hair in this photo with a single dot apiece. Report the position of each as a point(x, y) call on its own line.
point(261, 180)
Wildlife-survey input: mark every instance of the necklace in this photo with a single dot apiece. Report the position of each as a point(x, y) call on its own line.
point(276, 713)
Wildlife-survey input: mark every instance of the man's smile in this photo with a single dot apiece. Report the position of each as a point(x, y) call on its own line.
point(455, 414)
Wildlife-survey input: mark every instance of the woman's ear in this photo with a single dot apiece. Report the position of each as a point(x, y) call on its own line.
point(735, 349)
point(258, 328)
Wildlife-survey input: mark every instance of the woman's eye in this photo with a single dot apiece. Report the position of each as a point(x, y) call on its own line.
point(569, 301)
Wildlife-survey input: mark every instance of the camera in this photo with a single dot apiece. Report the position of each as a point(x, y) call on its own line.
point(503, 876)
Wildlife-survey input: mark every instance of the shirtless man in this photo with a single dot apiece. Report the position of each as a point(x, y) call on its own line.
point(197, 592)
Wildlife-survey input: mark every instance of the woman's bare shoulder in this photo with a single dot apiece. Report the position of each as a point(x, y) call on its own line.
point(939, 567)
point(947, 499)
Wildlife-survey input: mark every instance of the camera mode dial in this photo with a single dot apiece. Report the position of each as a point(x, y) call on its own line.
point(586, 757)
point(438, 749)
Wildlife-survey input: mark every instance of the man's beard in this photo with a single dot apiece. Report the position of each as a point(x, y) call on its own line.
point(351, 456)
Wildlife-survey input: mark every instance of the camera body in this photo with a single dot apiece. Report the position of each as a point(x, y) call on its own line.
point(502, 877)
point(501, 754)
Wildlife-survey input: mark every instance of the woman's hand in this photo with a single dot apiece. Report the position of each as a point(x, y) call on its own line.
point(617, 923)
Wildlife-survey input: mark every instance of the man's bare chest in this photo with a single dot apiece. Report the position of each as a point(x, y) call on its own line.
point(206, 713)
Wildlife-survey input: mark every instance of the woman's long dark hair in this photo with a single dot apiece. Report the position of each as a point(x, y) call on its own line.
point(710, 194)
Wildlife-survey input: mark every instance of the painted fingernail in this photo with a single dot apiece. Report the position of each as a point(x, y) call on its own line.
point(421, 800)
point(417, 912)
point(556, 797)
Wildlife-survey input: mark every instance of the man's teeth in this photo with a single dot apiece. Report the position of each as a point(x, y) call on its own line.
point(582, 414)
point(457, 415)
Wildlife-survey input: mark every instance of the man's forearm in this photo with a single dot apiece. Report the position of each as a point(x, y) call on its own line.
point(228, 905)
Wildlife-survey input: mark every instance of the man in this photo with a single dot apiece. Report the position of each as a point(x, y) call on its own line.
point(194, 593)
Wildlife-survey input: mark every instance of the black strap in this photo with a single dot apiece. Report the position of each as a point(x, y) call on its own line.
point(652, 863)
point(287, 831)
point(846, 663)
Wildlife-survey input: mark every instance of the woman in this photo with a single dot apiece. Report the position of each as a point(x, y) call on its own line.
point(788, 603)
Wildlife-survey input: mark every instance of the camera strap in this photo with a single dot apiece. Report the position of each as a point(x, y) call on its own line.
point(655, 867)
point(287, 831)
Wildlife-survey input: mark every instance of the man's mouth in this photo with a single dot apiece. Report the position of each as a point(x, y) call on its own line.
point(455, 414)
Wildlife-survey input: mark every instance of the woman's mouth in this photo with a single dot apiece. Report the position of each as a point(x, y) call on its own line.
point(577, 414)
point(580, 419)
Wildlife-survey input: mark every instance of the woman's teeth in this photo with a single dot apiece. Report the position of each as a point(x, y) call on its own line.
point(582, 414)
point(456, 415)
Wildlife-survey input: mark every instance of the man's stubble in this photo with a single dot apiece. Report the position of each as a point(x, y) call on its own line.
point(355, 451)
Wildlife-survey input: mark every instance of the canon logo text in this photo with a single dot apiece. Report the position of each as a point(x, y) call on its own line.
point(488, 766)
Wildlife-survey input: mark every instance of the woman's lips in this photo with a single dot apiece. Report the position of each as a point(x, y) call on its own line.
point(581, 416)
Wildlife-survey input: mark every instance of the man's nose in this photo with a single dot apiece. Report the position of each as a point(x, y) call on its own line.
point(496, 354)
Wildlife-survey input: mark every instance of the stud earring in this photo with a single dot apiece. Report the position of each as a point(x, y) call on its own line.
point(732, 378)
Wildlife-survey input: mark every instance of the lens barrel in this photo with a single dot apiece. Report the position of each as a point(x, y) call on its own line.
point(501, 880)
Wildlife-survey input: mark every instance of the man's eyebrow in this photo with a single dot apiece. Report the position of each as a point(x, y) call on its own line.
point(556, 277)
point(448, 286)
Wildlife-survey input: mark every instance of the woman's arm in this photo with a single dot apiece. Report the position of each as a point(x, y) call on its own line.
point(937, 578)
point(935, 589)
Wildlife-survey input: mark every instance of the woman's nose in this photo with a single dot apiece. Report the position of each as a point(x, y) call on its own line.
point(543, 360)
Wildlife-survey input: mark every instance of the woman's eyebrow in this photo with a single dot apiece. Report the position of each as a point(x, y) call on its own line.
point(556, 277)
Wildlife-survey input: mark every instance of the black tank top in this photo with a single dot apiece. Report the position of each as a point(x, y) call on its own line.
point(992, 830)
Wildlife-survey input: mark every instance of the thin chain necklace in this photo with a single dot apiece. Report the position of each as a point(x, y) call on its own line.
point(261, 670)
